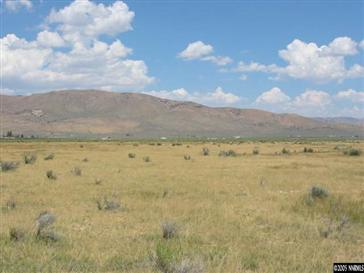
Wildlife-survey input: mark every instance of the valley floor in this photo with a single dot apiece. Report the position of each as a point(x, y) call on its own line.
point(240, 212)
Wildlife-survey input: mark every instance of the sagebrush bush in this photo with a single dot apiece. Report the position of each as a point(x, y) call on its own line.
point(108, 204)
point(205, 151)
point(76, 171)
point(187, 157)
point(30, 158)
point(51, 175)
point(318, 192)
point(131, 155)
point(307, 150)
point(49, 157)
point(188, 266)
point(255, 151)
point(16, 234)
point(44, 229)
point(230, 153)
point(353, 152)
point(285, 151)
point(146, 159)
point(8, 165)
point(169, 230)
point(10, 204)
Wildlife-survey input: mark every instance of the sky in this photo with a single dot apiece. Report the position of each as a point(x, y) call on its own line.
point(304, 57)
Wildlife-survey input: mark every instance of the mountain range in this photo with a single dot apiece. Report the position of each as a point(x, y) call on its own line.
point(96, 114)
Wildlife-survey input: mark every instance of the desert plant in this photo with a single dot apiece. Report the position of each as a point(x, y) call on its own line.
point(51, 175)
point(353, 152)
point(307, 150)
point(85, 159)
point(255, 151)
point(49, 157)
point(98, 181)
point(30, 158)
point(131, 155)
point(169, 230)
point(205, 151)
point(285, 151)
point(230, 153)
point(146, 159)
point(187, 157)
point(16, 234)
point(318, 192)
point(44, 224)
point(10, 204)
point(164, 258)
point(8, 165)
point(76, 171)
point(107, 204)
point(188, 266)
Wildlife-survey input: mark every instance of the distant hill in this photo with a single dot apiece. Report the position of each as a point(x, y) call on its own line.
point(92, 113)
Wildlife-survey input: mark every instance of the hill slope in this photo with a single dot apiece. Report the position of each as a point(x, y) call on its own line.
point(92, 113)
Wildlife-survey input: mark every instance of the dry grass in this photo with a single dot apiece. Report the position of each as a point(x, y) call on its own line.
point(236, 214)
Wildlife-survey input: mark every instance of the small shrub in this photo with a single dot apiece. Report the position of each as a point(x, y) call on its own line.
point(8, 166)
point(44, 220)
point(85, 159)
point(169, 230)
point(285, 151)
point(76, 171)
point(353, 152)
point(187, 157)
point(107, 204)
point(228, 153)
point(49, 157)
point(165, 193)
point(164, 258)
point(44, 229)
point(131, 155)
point(146, 159)
point(318, 192)
point(205, 151)
point(98, 181)
point(255, 151)
point(30, 158)
point(189, 266)
point(16, 234)
point(307, 150)
point(10, 204)
point(51, 175)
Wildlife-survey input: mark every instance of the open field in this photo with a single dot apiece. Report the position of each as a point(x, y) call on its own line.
point(243, 213)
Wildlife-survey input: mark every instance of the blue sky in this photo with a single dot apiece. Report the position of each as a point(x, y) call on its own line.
point(304, 57)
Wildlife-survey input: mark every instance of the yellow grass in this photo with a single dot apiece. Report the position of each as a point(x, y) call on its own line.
point(234, 214)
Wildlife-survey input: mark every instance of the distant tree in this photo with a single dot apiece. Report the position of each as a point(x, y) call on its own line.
point(9, 133)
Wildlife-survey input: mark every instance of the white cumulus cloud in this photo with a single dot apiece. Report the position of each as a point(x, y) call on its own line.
point(273, 96)
point(312, 98)
point(84, 20)
point(15, 5)
point(218, 97)
point(350, 94)
point(50, 39)
point(70, 54)
point(196, 50)
point(200, 51)
point(312, 62)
